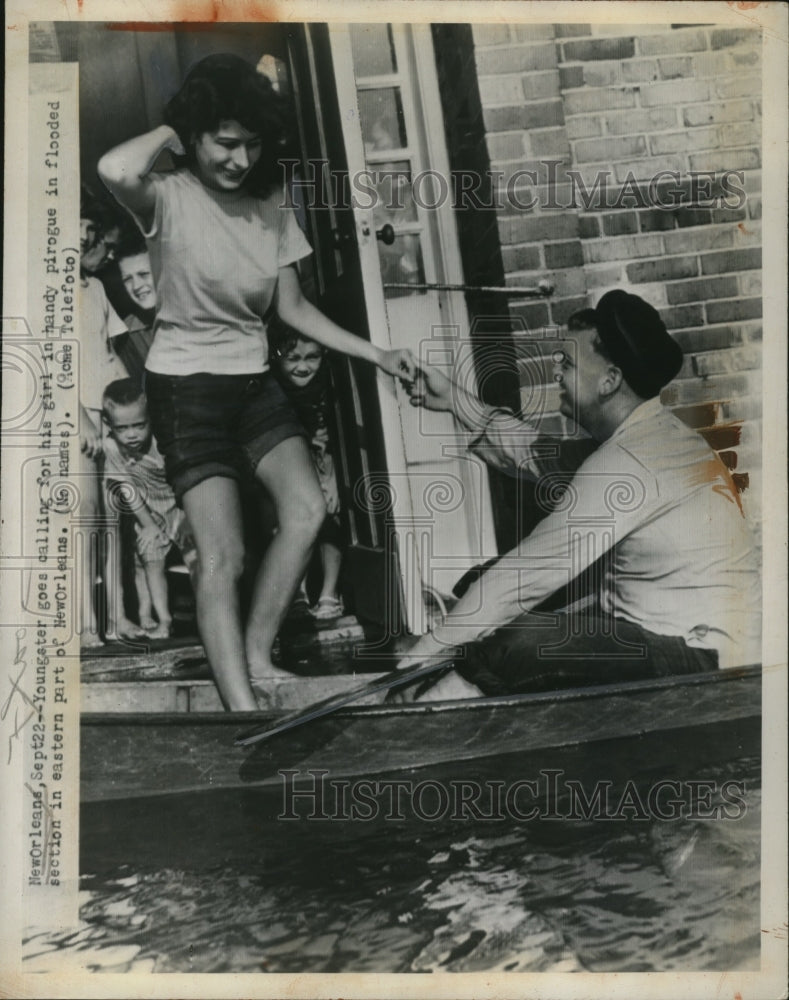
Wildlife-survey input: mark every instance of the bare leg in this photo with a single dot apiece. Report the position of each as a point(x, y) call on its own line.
point(157, 584)
point(331, 561)
point(144, 603)
point(289, 477)
point(88, 538)
point(118, 625)
point(214, 514)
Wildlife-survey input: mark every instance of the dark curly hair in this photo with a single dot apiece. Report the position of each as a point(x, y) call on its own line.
point(131, 243)
point(101, 213)
point(224, 87)
point(122, 392)
point(283, 338)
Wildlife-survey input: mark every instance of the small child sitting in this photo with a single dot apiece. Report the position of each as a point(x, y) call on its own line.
point(298, 363)
point(133, 464)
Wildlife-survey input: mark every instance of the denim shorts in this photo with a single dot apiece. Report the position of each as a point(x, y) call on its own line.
point(216, 425)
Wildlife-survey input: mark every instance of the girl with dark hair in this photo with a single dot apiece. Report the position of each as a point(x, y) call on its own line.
point(223, 245)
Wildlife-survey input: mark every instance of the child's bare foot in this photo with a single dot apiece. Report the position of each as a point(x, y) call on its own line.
point(147, 622)
point(124, 629)
point(161, 631)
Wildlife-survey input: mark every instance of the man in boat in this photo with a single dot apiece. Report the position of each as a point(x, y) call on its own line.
point(651, 510)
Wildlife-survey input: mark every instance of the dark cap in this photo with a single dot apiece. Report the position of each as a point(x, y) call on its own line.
point(637, 341)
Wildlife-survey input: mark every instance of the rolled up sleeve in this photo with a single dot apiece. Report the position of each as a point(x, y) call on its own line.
point(518, 448)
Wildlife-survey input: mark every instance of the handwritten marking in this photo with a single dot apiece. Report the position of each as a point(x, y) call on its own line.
point(19, 661)
point(15, 735)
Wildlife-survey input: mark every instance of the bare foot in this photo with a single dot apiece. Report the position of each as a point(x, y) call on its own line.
point(147, 622)
point(161, 631)
point(266, 680)
point(90, 641)
point(124, 629)
point(263, 673)
point(266, 694)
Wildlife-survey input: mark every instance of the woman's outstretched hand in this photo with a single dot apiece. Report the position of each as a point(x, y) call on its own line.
point(401, 364)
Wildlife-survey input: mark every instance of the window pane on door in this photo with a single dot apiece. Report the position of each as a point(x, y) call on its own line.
point(401, 264)
point(381, 119)
point(394, 198)
point(373, 49)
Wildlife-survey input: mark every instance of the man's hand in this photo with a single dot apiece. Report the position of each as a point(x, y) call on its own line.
point(431, 389)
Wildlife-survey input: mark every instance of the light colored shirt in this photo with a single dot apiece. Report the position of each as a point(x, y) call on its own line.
point(98, 324)
point(660, 502)
point(215, 257)
point(144, 484)
point(145, 475)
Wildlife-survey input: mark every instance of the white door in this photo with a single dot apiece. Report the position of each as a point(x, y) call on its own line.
point(400, 188)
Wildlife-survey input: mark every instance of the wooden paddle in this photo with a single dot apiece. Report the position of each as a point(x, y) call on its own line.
point(329, 705)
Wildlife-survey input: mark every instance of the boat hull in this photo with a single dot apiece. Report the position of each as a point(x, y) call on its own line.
point(135, 755)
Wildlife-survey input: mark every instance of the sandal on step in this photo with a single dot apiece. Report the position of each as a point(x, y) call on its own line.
point(326, 609)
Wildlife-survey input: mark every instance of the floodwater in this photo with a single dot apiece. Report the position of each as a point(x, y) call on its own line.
point(219, 882)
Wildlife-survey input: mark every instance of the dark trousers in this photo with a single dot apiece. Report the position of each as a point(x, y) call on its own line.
point(544, 652)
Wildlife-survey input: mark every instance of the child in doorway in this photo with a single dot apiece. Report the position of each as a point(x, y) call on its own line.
point(135, 273)
point(299, 366)
point(134, 473)
point(100, 328)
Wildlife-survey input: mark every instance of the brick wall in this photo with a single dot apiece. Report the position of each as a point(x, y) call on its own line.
point(572, 103)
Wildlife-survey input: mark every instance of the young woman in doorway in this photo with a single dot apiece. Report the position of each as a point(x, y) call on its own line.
point(223, 245)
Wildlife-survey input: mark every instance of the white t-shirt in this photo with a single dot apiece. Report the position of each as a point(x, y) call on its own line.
point(215, 257)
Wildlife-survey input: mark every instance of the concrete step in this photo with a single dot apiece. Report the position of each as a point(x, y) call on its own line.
point(174, 676)
point(153, 696)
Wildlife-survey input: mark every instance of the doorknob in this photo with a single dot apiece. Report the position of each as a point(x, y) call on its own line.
point(386, 234)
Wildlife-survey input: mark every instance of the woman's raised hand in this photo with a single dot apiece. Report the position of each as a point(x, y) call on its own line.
point(125, 169)
point(174, 144)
